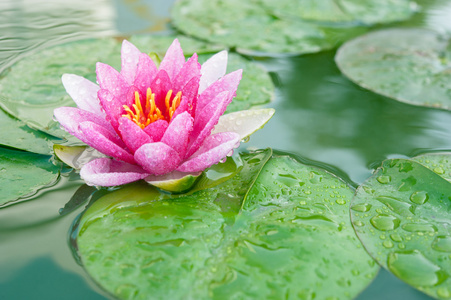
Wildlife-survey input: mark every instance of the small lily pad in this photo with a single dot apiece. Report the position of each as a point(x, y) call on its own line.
point(402, 216)
point(276, 229)
point(408, 65)
point(253, 28)
point(355, 11)
point(22, 174)
point(31, 89)
point(18, 135)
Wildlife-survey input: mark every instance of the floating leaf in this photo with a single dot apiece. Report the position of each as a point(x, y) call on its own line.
point(276, 229)
point(23, 173)
point(440, 163)
point(251, 27)
point(402, 216)
point(364, 11)
point(16, 134)
point(409, 65)
point(31, 89)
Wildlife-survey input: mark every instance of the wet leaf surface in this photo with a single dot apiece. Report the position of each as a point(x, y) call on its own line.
point(276, 229)
point(401, 215)
point(23, 173)
point(16, 134)
point(409, 65)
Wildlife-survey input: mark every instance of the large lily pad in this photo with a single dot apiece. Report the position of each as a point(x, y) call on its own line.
point(358, 11)
point(251, 27)
point(402, 216)
point(23, 173)
point(31, 89)
point(277, 229)
point(16, 134)
point(409, 65)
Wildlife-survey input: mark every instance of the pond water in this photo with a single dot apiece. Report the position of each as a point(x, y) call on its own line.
point(321, 117)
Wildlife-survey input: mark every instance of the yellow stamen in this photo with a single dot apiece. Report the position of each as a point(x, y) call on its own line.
point(151, 113)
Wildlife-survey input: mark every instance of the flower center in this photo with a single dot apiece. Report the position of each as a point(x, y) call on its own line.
point(143, 116)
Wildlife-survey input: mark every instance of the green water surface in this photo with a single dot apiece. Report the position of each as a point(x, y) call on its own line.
point(320, 116)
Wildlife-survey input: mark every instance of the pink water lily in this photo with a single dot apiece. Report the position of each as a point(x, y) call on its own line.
point(152, 122)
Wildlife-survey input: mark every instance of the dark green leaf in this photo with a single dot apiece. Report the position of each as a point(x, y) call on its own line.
point(290, 238)
point(409, 65)
point(402, 216)
point(23, 173)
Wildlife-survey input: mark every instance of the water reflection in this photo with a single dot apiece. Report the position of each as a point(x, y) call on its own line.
point(28, 25)
point(323, 116)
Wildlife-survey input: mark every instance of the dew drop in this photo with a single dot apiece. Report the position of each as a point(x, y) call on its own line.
point(419, 197)
point(340, 201)
point(385, 222)
point(443, 292)
point(414, 227)
point(388, 244)
point(358, 223)
point(396, 237)
point(364, 207)
point(439, 170)
point(414, 268)
point(384, 179)
point(442, 243)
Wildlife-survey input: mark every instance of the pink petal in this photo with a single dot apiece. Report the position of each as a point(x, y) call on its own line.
point(156, 129)
point(206, 119)
point(145, 73)
point(189, 97)
point(213, 69)
point(160, 86)
point(214, 148)
point(113, 106)
point(83, 92)
point(71, 117)
point(111, 80)
point(132, 135)
point(129, 61)
point(227, 83)
point(189, 70)
point(109, 172)
point(173, 60)
point(157, 158)
point(100, 140)
point(176, 136)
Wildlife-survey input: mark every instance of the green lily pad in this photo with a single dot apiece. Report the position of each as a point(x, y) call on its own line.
point(31, 89)
point(440, 163)
point(409, 65)
point(20, 136)
point(252, 28)
point(366, 11)
point(276, 229)
point(402, 216)
point(22, 174)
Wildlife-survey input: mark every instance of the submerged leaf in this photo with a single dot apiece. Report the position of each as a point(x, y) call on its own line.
point(402, 216)
point(408, 65)
point(22, 174)
point(276, 229)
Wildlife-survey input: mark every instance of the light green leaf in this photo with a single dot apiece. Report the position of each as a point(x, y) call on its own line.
point(23, 173)
point(16, 134)
point(402, 216)
point(363, 11)
point(409, 65)
point(276, 229)
point(440, 163)
point(252, 28)
point(31, 89)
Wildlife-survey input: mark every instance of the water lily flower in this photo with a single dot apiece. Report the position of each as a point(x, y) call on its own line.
point(156, 123)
